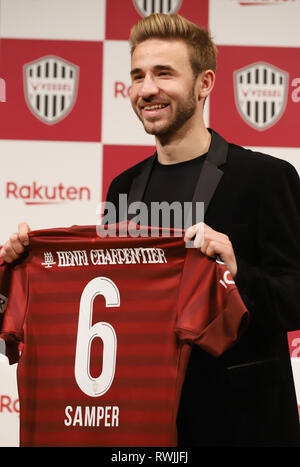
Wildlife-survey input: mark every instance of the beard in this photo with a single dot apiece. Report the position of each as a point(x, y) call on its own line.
point(186, 108)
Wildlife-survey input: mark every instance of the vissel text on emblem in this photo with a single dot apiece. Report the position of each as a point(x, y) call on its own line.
point(260, 91)
point(50, 87)
point(146, 7)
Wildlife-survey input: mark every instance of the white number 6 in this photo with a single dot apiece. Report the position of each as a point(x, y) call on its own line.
point(86, 333)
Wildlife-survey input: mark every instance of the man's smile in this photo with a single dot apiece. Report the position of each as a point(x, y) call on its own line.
point(154, 106)
point(153, 110)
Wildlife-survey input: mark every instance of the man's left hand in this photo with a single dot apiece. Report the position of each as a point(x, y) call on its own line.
point(212, 243)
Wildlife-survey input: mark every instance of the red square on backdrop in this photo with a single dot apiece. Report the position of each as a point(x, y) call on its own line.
point(53, 90)
point(256, 100)
point(121, 15)
point(116, 159)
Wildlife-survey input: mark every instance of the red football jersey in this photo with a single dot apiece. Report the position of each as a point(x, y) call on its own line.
point(107, 325)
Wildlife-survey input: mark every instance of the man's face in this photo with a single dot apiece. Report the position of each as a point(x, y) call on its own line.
point(163, 86)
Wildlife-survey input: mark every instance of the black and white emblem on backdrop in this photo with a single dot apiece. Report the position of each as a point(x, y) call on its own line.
point(147, 7)
point(260, 91)
point(50, 88)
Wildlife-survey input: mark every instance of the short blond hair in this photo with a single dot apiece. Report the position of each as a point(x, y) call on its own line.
point(202, 50)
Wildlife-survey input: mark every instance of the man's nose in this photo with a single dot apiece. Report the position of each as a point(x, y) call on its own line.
point(149, 87)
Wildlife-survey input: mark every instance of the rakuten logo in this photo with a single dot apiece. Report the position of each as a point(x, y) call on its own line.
point(121, 89)
point(9, 405)
point(46, 194)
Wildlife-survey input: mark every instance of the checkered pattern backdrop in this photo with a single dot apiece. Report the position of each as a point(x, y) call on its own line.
point(66, 126)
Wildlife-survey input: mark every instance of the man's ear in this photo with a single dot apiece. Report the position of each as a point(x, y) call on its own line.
point(205, 84)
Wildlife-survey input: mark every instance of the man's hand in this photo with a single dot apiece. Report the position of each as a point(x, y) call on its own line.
point(16, 244)
point(212, 243)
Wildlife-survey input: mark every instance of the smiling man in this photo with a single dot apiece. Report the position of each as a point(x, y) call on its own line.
point(165, 94)
point(251, 201)
point(246, 397)
point(170, 82)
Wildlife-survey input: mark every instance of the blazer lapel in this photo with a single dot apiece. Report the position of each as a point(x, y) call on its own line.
point(139, 184)
point(211, 174)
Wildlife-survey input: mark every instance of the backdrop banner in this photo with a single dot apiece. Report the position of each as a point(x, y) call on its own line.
point(67, 127)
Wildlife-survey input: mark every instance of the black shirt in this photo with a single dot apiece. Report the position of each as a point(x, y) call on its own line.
point(172, 183)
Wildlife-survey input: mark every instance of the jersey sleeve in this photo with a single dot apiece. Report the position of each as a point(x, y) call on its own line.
point(211, 313)
point(13, 296)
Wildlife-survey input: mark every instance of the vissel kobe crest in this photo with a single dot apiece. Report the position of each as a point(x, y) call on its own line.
point(50, 87)
point(260, 94)
point(146, 7)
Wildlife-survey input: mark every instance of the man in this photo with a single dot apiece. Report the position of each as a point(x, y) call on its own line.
point(251, 202)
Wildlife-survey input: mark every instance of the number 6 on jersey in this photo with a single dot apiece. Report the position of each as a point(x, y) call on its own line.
point(87, 332)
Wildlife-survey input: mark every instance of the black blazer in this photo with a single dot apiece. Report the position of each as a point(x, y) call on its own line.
point(245, 397)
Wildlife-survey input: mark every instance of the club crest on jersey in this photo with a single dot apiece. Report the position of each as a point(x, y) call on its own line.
point(260, 91)
point(50, 88)
point(146, 7)
point(48, 260)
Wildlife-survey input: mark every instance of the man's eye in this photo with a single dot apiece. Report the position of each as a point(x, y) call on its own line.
point(137, 77)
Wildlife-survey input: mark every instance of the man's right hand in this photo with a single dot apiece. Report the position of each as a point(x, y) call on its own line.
point(16, 244)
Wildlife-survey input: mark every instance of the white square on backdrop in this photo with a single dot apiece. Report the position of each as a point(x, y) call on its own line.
point(49, 184)
point(233, 22)
point(53, 19)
